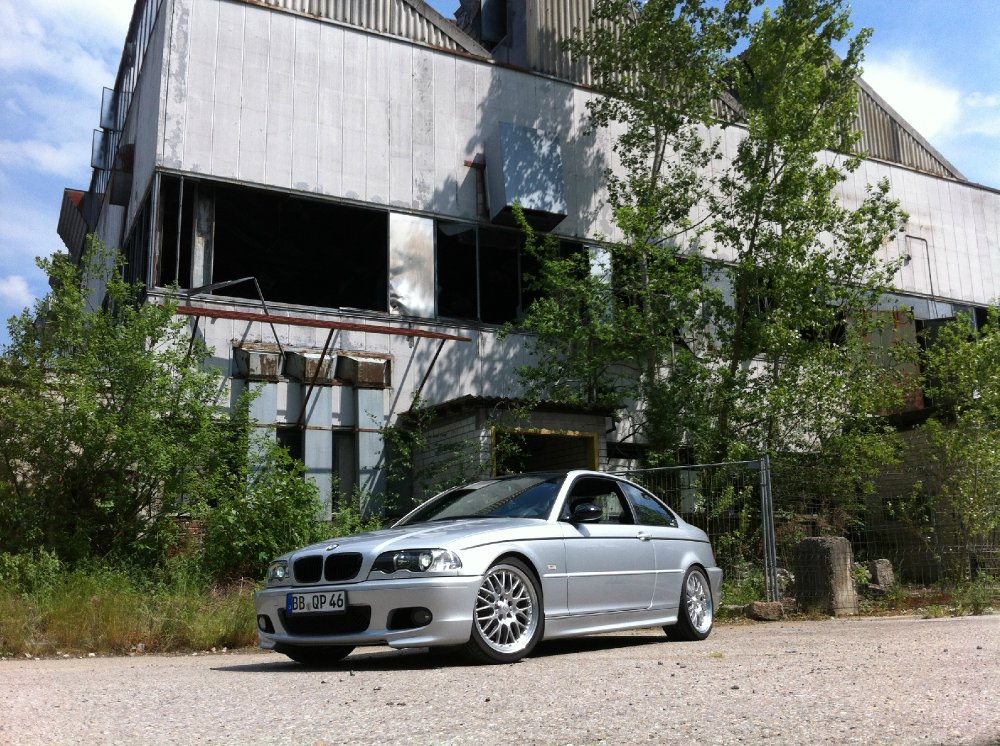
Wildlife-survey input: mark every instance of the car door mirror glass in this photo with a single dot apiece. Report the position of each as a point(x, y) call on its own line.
point(586, 512)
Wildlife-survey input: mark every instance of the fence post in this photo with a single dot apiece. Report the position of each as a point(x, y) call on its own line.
point(767, 529)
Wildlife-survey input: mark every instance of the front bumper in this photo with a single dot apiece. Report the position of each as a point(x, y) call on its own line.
point(370, 606)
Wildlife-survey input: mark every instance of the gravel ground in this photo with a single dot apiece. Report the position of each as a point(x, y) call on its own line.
point(896, 680)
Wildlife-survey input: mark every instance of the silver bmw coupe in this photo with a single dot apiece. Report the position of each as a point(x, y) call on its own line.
point(494, 567)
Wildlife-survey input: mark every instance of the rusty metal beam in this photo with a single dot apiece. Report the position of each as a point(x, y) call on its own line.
point(219, 313)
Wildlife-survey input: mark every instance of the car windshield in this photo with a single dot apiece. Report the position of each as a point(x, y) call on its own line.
point(525, 496)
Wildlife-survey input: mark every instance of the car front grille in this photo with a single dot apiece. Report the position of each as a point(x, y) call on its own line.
point(355, 619)
point(342, 566)
point(307, 569)
point(337, 567)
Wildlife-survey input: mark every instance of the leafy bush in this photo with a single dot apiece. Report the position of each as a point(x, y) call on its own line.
point(29, 571)
point(109, 418)
point(274, 512)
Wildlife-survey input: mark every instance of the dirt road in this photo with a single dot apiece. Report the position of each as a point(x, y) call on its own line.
point(885, 681)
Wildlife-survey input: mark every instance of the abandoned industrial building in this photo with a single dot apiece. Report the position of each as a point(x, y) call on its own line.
point(330, 184)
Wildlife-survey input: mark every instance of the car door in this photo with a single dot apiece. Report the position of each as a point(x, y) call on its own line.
point(669, 543)
point(610, 564)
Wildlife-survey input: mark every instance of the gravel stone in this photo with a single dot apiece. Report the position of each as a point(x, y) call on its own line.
point(842, 681)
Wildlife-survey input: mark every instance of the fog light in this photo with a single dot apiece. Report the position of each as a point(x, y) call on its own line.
point(421, 617)
point(264, 623)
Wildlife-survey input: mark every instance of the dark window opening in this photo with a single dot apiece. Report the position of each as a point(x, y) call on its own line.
point(531, 289)
point(499, 276)
point(479, 273)
point(344, 466)
point(175, 240)
point(136, 247)
point(833, 334)
point(519, 452)
point(456, 271)
point(981, 315)
point(301, 251)
point(292, 439)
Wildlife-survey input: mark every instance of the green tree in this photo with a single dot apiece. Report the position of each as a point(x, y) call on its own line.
point(269, 509)
point(733, 315)
point(962, 485)
point(110, 423)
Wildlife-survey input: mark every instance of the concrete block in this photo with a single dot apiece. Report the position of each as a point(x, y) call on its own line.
point(823, 578)
point(881, 572)
point(764, 611)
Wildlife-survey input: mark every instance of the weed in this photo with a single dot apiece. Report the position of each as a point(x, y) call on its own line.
point(104, 610)
point(976, 597)
point(935, 611)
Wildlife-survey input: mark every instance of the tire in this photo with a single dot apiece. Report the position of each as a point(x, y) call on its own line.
point(507, 619)
point(695, 613)
point(316, 655)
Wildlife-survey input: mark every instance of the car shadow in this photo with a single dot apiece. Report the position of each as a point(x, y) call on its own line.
point(423, 659)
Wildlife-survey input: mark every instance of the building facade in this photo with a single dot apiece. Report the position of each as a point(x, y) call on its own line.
point(329, 183)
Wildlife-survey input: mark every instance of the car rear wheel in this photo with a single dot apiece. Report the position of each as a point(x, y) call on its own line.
point(316, 655)
point(507, 620)
point(696, 613)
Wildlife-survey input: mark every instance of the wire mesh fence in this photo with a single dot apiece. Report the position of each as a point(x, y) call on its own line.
point(757, 512)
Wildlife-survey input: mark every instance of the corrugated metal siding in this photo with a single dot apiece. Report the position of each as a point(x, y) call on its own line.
point(393, 17)
point(549, 22)
point(885, 138)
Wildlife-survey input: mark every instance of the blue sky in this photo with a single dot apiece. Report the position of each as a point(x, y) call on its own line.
point(936, 61)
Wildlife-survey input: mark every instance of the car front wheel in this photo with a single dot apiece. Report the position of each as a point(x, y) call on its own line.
point(696, 613)
point(507, 619)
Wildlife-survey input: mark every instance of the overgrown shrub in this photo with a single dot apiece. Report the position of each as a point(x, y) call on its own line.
point(28, 572)
point(275, 512)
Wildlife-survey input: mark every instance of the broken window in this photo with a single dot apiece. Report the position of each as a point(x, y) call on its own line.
point(300, 250)
point(457, 269)
point(499, 275)
point(177, 197)
point(135, 250)
point(411, 265)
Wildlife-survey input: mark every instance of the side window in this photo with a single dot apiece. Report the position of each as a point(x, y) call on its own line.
point(602, 492)
point(648, 510)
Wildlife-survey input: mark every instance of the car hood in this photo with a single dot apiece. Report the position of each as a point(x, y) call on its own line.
point(453, 534)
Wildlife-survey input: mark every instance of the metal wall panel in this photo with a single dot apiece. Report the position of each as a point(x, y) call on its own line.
point(317, 450)
point(371, 458)
point(394, 17)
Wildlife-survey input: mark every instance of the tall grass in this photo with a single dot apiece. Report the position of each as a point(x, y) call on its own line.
point(103, 610)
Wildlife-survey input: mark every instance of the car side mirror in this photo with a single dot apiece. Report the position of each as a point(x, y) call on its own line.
point(587, 513)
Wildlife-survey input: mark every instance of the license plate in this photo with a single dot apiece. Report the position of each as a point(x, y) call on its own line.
point(327, 602)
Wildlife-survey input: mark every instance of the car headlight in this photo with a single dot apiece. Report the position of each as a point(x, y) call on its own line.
point(277, 573)
point(417, 560)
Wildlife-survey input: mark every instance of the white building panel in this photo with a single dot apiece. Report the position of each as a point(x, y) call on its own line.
point(254, 97)
point(304, 174)
point(330, 102)
point(227, 88)
point(424, 183)
point(378, 96)
point(400, 122)
point(446, 154)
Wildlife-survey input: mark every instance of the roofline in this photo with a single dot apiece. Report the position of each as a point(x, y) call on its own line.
point(862, 83)
point(450, 29)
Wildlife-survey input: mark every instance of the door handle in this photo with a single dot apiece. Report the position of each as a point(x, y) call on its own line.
point(643, 536)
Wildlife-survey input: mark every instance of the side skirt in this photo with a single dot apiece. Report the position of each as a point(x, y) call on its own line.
point(589, 624)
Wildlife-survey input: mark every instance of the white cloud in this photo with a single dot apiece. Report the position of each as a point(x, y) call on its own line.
point(27, 230)
point(69, 48)
point(963, 124)
point(933, 107)
point(67, 159)
point(15, 293)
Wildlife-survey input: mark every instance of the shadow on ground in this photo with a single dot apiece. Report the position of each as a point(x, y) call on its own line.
point(422, 659)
